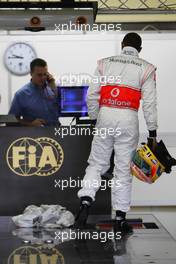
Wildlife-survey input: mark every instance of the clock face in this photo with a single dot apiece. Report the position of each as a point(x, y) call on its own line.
point(18, 57)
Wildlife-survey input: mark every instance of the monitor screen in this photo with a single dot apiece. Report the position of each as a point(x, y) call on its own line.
point(73, 101)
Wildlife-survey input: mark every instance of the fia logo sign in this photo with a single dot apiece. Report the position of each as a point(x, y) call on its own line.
point(42, 156)
point(36, 255)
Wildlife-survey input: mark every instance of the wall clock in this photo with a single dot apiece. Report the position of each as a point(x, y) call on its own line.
point(18, 56)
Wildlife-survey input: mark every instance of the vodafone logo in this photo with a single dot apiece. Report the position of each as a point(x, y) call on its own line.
point(115, 92)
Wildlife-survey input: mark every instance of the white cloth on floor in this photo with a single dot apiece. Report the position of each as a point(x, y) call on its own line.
point(50, 216)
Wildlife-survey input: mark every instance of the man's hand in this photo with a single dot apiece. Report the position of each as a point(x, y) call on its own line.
point(51, 81)
point(152, 143)
point(38, 122)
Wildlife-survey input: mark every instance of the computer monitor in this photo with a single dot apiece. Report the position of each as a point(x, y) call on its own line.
point(73, 101)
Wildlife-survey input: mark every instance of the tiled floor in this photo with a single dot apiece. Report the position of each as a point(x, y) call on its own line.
point(165, 214)
point(90, 246)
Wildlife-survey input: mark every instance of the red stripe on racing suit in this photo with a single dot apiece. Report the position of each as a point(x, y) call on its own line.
point(119, 96)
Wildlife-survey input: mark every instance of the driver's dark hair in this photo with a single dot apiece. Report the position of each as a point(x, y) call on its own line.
point(37, 63)
point(132, 39)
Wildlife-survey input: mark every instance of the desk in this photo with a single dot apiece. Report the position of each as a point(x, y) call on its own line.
point(24, 146)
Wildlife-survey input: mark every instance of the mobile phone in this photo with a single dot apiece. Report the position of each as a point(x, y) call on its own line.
point(51, 82)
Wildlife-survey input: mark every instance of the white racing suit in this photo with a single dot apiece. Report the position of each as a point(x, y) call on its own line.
point(115, 106)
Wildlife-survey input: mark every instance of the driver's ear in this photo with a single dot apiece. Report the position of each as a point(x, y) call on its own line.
point(139, 50)
point(122, 45)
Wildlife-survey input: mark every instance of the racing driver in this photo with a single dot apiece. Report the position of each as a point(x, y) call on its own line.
point(115, 105)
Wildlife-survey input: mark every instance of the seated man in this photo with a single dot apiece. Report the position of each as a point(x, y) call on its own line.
point(35, 104)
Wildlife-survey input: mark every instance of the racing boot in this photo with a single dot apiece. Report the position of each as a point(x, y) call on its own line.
point(121, 225)
point(81, 218)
